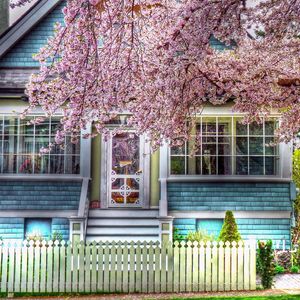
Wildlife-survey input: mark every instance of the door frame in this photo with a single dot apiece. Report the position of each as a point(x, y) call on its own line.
point(105, 175)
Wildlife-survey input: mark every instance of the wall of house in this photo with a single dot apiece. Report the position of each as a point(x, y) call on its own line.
point(249, 228)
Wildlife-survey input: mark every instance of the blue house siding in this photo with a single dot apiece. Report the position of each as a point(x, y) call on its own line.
point(62, 226)
point(190, 196)
point(259, 229)
point(21, 54)
point(39, 195)
point(12, 228)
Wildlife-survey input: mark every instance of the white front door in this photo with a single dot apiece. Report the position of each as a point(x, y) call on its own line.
point(125, 178)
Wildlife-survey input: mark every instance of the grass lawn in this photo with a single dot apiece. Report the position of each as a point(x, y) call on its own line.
point(285, 297)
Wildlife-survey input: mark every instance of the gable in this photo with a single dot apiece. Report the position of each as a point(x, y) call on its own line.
point(20, 56)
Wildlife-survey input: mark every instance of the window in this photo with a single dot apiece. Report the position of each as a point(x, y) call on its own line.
point(225, 146)
point(211, 226)
point(20, 145)
point(38, 228)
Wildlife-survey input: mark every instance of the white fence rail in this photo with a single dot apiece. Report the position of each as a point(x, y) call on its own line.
point(127, 267)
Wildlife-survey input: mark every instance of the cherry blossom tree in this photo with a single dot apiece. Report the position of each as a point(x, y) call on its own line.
point(153, 59)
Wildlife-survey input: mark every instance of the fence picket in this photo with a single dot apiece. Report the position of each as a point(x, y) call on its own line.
point(151, 268)
point(122, 267)
point(75, 264)
point(100, 267)
point(55, 266)
point(43, 270)
point(234, 266)
point(240, 266)
point(69, 268)
point(94, 268)
point(144, 268)
point(138, 271)
point(182, 264)
point(125, 277)
point(189, 263)
point(87, 279)
point(11, 269)
point(227, 272)
point(176, 254)
point(24, 268)
point(163, 268)
point(195, 267)
point(17, 287)
point(81, 279)
point(221, 270)
point(246, 266)
point(119, 267)
point(157, 268)
point(208, 267)
point(112, 281)
point(30, 267)
point(62, 267)
point(37, 259)
point(170, 267)
point(106, 267)
point(202, 267)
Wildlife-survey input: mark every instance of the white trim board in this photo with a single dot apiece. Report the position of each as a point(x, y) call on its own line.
point(37, 214)
point(237, 214)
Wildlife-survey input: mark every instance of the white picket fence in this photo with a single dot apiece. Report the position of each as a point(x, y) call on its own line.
point(127, 267)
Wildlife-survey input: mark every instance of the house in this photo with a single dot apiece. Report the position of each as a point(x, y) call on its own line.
point(118, 190)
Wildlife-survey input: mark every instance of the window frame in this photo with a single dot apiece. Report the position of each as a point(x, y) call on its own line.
point(34, 135)
point(233, 155)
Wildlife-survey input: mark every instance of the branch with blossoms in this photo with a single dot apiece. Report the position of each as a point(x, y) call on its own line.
point(153, 58)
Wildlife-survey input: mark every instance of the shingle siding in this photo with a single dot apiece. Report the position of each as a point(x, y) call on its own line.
point(11, 228)
point(39, 195)
point(229, 196)
point(61, 225)
point(21, 54)
point(259, 229)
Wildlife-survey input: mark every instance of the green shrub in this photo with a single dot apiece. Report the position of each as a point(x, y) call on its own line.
point(229, 231)
point(57, 236)
point(265, 263)
point(176, 235)
point(294, 269)
point(296, 255)
point(200, 235)
point(279, 269)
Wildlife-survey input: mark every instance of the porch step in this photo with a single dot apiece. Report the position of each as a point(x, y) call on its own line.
point(123, 225)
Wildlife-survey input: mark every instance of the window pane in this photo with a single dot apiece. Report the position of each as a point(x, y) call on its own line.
point(209, 126)
point(41, 141)
point(270, 127)
point(72, 148)
point(10, 125)
point(42, 128)
point(256, 145)
point(125, 153)
point(25, 164)
point(41, 164)
point(72, 164)
point(57, 164)
point(242, 146)
point(38, 228)
point(224, 165)
point(209, 146)
point(224, 126)
point(242, 165)
point(209, 165)
point(9, 163)
point(241, 129)
point(224, 145)
point(271, 165)
point(179, 150)
point(270, 147)
point(26, 144)
point(25, 127)
point(255, 129)
point(10, 144)
point(177, 165)
point(256, 165)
